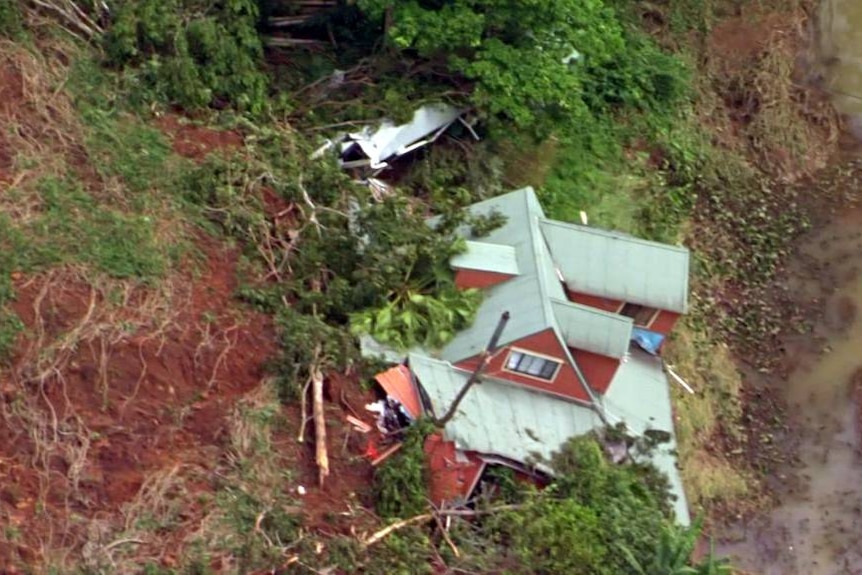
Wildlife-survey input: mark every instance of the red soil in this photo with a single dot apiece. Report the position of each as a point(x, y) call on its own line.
point(166, 398)
point(196, 142)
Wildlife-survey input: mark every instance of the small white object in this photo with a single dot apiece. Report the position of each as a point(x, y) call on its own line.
point(584, 219)
point(301, 490)
point(376, 407)
point(679, 380)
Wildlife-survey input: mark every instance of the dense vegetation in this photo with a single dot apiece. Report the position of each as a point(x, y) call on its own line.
point(571, 96)
point(595, 518)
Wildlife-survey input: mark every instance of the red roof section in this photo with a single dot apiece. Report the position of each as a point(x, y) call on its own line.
point(398, 384)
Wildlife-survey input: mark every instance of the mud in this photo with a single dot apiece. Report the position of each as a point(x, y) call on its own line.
point(816, 528)
point(839, 43)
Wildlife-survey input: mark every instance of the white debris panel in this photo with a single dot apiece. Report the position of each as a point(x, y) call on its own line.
point(373, 147)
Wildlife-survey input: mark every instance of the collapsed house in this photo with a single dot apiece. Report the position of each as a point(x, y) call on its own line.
point(589, 311)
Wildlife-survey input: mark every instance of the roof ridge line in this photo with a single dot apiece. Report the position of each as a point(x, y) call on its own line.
point(614, 233)
point(591, 309)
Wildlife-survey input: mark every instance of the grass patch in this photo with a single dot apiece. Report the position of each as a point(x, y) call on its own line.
point(74, 228)
point(708, 420)
point(253, 520)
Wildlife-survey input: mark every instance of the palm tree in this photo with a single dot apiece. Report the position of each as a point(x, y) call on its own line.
point(673, 555)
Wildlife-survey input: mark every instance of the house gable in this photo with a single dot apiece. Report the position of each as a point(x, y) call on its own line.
point(544, 344)
point(598, 370)
point(605, 304)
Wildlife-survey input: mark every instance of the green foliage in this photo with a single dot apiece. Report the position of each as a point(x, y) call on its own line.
point(11, 21)
point(75, 227)
point(12, 244)
point(555, 536)
point(596, 518)
point(375, 264)
point(401, 482)
point(406, 261)
point(430, 321)
point(194, 53)
point(407, 552)
point(541, 65)
point(304, 339)
point(672, 556)
point(10, 327)
point(248, 518)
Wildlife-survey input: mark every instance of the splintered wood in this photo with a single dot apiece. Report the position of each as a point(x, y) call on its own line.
point(321, 455)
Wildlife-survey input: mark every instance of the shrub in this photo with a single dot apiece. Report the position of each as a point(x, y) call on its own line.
point(193, 53)
point(540, 65)
point(11, 21)
point(401, 482)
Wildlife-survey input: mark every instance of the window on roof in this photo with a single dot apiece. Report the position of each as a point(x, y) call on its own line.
point(642, 315)
point(532, 365)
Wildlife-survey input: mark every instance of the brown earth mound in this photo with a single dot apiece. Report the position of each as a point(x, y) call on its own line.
point(105, 393)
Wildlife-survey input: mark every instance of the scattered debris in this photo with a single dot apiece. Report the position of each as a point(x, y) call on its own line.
point(386, 454)
point(649, 341)
point(358, 424)
point(379, 188)
point(678, 379)
point(392, 417)
point(375, 147)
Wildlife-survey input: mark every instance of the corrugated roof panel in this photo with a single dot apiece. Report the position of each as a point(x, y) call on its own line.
point(618, 266)
point(488, 257)
point(522, 296)
point(640, 396)
point(593, 330)
point(390, 139)
point(499, 418)
point(512, 421)
point(398, 384)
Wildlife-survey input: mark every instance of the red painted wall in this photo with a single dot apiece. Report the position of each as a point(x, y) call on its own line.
point(598, 369)
point(601, 303)
point(664, 322)
point(465, 278)
point(449, 479)
point(566, 383)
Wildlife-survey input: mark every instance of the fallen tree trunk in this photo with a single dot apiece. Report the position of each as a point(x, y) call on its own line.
point(383, 533)
point(321, 455)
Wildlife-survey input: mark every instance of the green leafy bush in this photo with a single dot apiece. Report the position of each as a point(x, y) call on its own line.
point(194, 53)
point(401, 482)
point(542, 65)
point(11, 21)
point(10, 327)
point(412, 318)
point(581, 521)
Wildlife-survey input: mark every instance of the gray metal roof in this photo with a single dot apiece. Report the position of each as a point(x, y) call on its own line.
point(500, 418)
point(488, 257)
point(640, 396)
point(619, 266)
point(525, 297)
point(591, 329)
